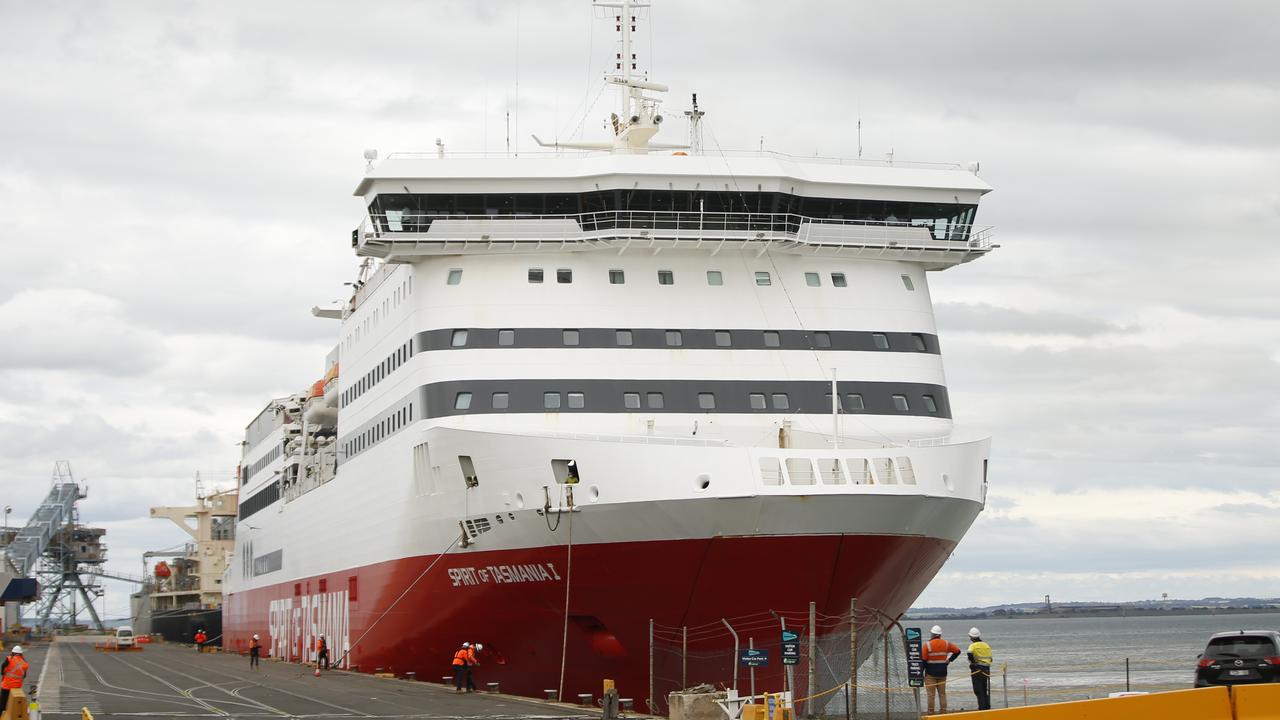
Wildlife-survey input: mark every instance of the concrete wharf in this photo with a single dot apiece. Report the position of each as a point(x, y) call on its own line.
point(169, 680)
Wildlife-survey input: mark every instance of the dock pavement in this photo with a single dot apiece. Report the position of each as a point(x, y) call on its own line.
point(174, 681)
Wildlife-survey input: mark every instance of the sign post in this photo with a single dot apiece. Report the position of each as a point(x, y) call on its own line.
point(915, 658)
point(790, 647)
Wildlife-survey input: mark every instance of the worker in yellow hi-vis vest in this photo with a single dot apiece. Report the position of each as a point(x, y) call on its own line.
point(980, 668)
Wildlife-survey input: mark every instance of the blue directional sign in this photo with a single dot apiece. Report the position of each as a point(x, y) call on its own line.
point(790, 647)
point(915, 658)
point(753, 657)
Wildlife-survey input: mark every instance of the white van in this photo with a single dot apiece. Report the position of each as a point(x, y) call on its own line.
point(124, 636)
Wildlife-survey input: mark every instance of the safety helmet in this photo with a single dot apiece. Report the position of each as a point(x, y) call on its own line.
point(479, 646)
point(255, 636)
point(466, 644)
point(322, 635)
point(936, 630)
point(17, 650)
point(974, 633)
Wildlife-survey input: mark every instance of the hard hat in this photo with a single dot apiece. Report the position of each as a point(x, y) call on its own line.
point(321, 634)
point(466, 644)
point(936, 630)
point(479, 646)
point(17, 650)
point(255, 636)
point(973, 633)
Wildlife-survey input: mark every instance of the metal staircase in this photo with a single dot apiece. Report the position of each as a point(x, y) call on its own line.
point(53, 514)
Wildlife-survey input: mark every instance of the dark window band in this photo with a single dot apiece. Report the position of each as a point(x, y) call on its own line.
point(698, 339)
point(260, 500)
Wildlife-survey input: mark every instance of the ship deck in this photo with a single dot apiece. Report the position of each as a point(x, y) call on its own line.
point(172, 680)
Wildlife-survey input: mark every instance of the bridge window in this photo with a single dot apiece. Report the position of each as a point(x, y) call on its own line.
point(853, 401)
point(881, 341)
point(535, 275)
point(654, 400)
point(564, 276)
point(906, 283)
point(707, 401)
point(772, 338)
point(675, 338)
point(930, 404)
point(918, 340)
point(455, 276)
point(617, 277)
point(723, 338)
point(459, 338)
point(551, 400)
point(631, 400)
point(838, 280)
point(714, 277)
point(781, 401)
point(623, 338)
point(900, 403)
point(462, 401)
point(570, 337)
point(822, 340)
point(666, 277)
point(577, 400)
point(501, 401)
point(757, 401)
point(506, 337)
point(762, 278)
point(812, 280)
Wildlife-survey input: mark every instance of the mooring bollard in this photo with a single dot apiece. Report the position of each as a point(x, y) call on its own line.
point(493, 687)
point(552, 694)
point(411, 675)
point(447, 679)
point(585, 698)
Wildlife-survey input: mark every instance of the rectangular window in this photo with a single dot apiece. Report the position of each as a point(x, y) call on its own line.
point(551, 400)
point(501, 401)
point(459, 339)
point(900, 403)
point(462, 401)
point(918, 340)
point(564, 276)
point(675, 338)
point(654, 400)
point(617, 277)
point(724, 338)
point(853, 401)
point(838, 280)
point(622, 338)
point(455, 276)
point(822, 340)
point(707, 401)
point(352, 586)
point(757, 401)
point(535, 275)
point(577, 401)
point(714, 277)
point(881, 341)
point(666, 277)
point(631, 400)
point(812, 280)
point(772, 338)
point(781, 401)
point(570, 337)
point(762, 278)
point(930, 404)
point(506, 337)
point(906, 283)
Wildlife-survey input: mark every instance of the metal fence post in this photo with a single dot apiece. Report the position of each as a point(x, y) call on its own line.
point(885, 639)
point(853, 656)
point(653, 701)
point(813, 657)
point(1004, 679)
point(735, 652)
point(684, 657)
point(751, 643)
point(1126, 675)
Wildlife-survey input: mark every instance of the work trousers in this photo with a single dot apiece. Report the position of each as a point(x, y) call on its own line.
point(322, 661)
point(982, 686)
point(471, 679)
point(4, 700)
point(936, 686)
point(459, 676)
point(253, 657)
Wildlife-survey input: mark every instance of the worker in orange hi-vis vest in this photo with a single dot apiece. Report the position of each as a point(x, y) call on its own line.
point(322, 653)
point(937, 654)
point(460, 660)
point(472, 662)
point(15, 671)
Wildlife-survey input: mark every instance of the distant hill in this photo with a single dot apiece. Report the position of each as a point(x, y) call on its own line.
point(1210, 605)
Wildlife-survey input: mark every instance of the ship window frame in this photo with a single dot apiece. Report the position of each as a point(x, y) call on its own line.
point(880, 341)
point(655, 400)
point(901, 403)
point(674, 338)
point(784, 404)
point(839, 279)
point(813, 279)
point(458, 338)
point(930, 404)
point(548, 397)
point(462, 400)
point(907, 283)
point(715, 278)
point(822, 340)
point(506, 337)
point(666, 277)
point(772, 339)
point(576, 400)
point(706, 401)
point(920, 343)
point(564, 276)
point(623, 338)
point(571, 337)
point(726, 335)
point(454, 277)
point(536, 276)
point(854, 401)
point(763, 278)
point(757, 401)
point(617, 276)
point(628, 398)
point(500, 400)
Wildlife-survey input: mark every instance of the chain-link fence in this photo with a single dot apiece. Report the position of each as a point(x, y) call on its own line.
point(801, 651)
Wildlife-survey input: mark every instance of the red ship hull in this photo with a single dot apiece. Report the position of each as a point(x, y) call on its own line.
point(401, 620)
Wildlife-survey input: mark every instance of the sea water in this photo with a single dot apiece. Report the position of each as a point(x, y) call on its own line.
point(1058, 659)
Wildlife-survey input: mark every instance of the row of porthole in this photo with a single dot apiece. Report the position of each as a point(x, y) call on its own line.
point(571, 337)
point(552, 401)
point(715, 278)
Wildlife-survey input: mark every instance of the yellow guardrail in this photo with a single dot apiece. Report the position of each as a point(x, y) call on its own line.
point(1201, 704)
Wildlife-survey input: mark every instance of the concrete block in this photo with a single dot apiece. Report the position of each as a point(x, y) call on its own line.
point(695, 705)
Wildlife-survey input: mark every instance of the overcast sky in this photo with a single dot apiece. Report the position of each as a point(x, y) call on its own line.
point(175, 185)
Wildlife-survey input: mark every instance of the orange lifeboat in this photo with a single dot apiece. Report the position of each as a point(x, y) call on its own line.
point(317, 389)
point(162, 570)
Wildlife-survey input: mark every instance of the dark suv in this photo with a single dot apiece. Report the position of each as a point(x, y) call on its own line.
point(1240, 657)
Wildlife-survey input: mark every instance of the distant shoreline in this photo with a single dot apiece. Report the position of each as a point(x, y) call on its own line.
point(1089, 613)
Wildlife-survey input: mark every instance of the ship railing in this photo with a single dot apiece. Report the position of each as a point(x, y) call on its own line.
point(718, 155)
point(658, 227)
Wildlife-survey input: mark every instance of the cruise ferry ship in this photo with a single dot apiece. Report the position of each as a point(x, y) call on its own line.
point(582, 389)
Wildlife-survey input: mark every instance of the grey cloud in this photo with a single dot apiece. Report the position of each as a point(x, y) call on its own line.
point(984, 318)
